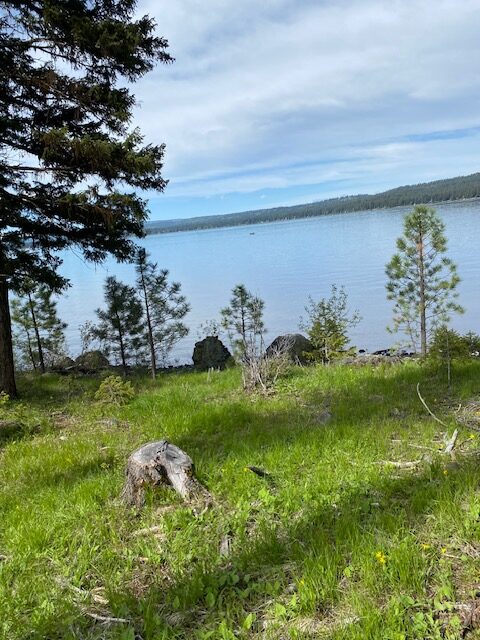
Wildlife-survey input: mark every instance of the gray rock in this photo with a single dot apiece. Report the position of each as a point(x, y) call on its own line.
point(297, 347)
point(64, 362)
point(210, 353)
point(92, 360)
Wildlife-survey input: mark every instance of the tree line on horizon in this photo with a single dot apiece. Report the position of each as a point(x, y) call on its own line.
point(450, 189)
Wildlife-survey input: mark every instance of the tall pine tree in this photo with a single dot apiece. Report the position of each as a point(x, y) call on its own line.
point(422, 281)
point(121, 327)
point(164, 306)
point(40, 338)
point(67, 151)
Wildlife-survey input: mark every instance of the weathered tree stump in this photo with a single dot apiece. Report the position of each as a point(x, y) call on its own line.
point(160, 463)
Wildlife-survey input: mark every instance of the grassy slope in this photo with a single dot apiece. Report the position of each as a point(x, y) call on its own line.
point(304, 559)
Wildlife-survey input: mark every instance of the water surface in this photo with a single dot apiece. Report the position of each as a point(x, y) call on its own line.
point(285, 262)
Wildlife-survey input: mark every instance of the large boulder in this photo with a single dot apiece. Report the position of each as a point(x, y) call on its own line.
point(294, 344)
point(210, 353)
point(62, 363)
point(92, 361)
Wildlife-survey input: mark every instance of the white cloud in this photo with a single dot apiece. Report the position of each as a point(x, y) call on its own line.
point(281, 93)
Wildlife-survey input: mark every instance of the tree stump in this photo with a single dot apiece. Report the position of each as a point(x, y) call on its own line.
point(158, 463)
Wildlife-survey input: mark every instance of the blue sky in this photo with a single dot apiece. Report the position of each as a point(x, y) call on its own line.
point(289, 101)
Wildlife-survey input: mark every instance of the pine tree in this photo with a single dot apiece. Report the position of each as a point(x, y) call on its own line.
point(327, 326)
point(40, 338)
point(66, 146)
point(421, 279)
point(243, 321)
point(164, 307)
point(121, 326)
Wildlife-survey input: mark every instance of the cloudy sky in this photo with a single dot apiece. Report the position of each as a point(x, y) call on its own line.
point(287, 101)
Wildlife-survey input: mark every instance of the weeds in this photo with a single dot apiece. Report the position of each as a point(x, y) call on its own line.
point(329, 544)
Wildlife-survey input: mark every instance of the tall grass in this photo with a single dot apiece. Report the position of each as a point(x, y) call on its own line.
point(333, 543)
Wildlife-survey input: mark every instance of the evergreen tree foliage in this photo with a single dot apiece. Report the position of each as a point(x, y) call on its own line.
point(421, 279)
point(448, 344)
point(243, 322)
point(39, 337)
point(327, 326)
point(121, 327)
point(69, 161)
point(164, 308)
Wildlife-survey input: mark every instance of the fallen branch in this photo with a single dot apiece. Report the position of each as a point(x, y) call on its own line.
point(411, 464)
point(427, 407)
point(450, 444)
point(420, 446)
point(107, 619)
point(145, 532)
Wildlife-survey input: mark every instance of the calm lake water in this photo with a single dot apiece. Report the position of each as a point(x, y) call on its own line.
point(284, 263)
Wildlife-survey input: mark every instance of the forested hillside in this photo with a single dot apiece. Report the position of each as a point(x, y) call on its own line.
point(463, 187)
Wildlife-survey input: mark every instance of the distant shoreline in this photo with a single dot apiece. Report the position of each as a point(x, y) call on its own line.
point(306, 217)
point(440, 192)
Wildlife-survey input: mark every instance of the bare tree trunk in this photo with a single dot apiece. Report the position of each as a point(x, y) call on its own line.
point(7, 370)
point(122, 346)
point(37, 334)
point(151, 342)
point(423, 321)
point(30, 350)
point(122, 352)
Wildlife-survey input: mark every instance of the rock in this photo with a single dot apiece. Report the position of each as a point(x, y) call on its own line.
point(92, 361)
point(63, 363)
point(296, 345)
point(210, 353)
point(383, 352)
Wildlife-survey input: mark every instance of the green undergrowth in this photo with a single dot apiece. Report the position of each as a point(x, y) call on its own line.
point(335, 542)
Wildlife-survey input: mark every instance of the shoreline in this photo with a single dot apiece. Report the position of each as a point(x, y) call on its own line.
point(167, 231)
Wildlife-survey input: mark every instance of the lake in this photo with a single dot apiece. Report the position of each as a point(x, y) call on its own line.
point(284, 263)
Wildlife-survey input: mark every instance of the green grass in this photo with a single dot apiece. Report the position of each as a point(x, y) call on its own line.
point(332, 545)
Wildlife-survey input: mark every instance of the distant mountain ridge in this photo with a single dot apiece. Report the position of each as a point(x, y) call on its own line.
point(450, 189)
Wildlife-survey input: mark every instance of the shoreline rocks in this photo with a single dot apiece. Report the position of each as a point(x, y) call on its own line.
point(210, 353)
point(294, 344)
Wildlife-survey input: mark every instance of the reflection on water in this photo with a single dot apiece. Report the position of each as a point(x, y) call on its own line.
point(284, 263)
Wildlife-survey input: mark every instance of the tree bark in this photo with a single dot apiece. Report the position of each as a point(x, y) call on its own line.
point(37, 334)
point(151, 342)
point(159, 463)
point(30, 350)
point(7, 370)
point(122, 346)
point(423, 321)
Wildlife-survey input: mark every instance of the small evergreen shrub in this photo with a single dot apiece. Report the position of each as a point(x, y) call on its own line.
point(448, 344)
point(114, 390)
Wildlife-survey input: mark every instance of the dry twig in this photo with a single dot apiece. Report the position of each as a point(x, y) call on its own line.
point(427, 407)
point(106, 619)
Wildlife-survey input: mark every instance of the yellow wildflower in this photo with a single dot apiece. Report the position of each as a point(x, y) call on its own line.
point(443, 549)
point(381, 557)
point(425, 546)
point(445, 472)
